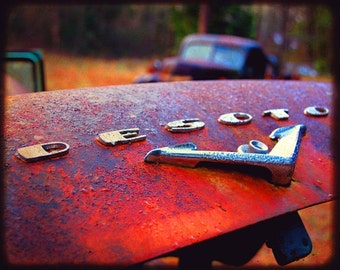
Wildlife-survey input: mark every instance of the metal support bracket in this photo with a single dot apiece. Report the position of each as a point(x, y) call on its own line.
point(289, 239)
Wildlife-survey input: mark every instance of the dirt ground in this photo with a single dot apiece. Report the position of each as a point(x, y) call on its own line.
point(67, 72)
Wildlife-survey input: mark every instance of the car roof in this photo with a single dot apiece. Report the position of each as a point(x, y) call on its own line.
point(222, 39)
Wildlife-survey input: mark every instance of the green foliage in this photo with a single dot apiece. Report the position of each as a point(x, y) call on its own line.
point(323, 50)
point(97, 30)
point(314, 35)
point(232, 20)
point(88, 30)
point(184, 21)
point(322, 66)
point(223, 19)
point(157, 30)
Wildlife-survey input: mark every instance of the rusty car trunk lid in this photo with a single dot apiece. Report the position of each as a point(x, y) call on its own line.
point(104, 205)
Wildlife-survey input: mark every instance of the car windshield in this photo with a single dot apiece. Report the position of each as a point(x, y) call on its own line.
point(228, 57)
point(197, 52)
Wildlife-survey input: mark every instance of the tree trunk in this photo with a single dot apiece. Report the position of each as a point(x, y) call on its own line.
point(55, 29)
point(203, 18)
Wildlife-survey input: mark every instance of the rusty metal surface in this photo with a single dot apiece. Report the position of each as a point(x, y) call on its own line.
point(105, 205)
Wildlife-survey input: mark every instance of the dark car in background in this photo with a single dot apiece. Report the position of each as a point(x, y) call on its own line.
point(211, 57)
